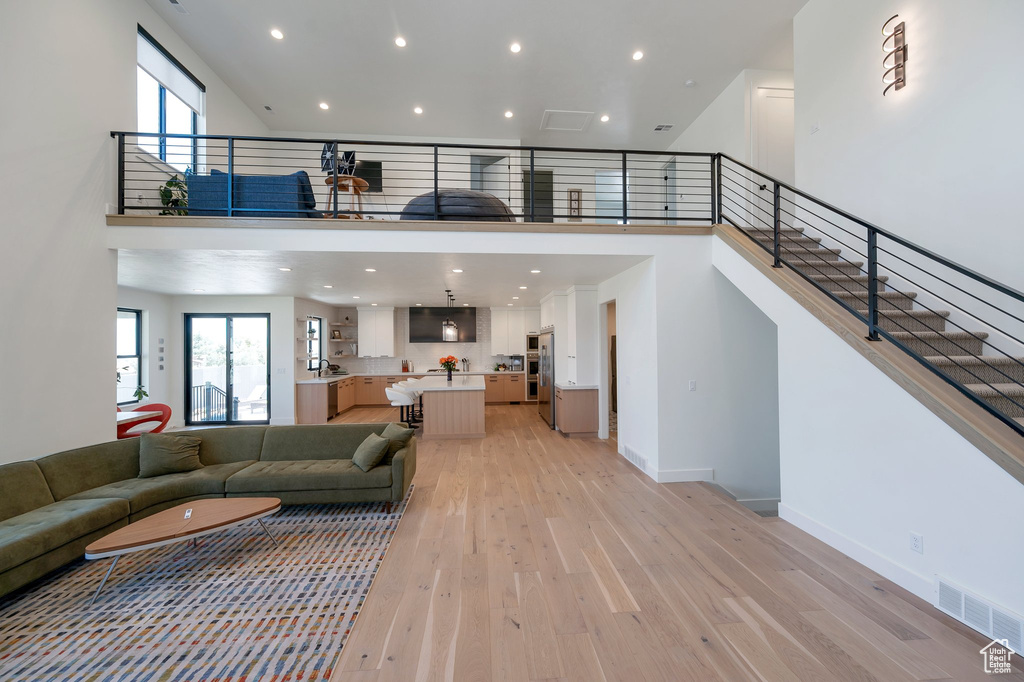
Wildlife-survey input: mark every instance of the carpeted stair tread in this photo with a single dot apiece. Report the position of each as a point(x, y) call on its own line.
point(910, 320)
point(832, 268)
point(997, 390)
point(948, 343)
point(888, 300)
point(968, 369)
point(990, 361)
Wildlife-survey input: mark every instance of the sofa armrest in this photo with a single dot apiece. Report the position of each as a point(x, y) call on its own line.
point(403, 468)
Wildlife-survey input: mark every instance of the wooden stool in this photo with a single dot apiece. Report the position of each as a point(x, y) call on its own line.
point(355, 188)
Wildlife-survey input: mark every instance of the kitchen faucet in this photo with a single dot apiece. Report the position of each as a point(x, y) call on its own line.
point(320, 367)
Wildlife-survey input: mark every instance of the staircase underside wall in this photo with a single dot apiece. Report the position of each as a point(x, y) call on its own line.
point(864, 463)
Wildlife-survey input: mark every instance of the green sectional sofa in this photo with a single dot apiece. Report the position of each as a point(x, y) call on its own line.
point(53, 507)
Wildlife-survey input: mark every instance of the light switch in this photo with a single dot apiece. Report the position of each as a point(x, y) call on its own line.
point(693, 385)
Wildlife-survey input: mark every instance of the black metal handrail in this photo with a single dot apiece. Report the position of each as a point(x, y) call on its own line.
point(641, 185)
point(990, 374)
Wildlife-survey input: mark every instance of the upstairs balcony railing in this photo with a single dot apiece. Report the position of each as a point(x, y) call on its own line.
point(244, 176)
point(965, 327)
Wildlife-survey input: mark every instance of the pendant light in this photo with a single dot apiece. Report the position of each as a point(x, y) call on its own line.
point(449, 330)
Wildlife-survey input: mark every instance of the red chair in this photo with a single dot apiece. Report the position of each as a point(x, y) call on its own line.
point(126, 430)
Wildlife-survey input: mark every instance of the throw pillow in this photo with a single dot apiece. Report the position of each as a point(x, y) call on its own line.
point(370, 452)
point(168, 453)
point(398, 436)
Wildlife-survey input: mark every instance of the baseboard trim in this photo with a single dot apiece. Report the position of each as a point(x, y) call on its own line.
point(916, 583)
point(760, 504)
point(684, 475)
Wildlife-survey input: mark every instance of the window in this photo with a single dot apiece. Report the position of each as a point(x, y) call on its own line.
point(314, 343)
point(608, 196)
point(129, 354)
point(170, 101)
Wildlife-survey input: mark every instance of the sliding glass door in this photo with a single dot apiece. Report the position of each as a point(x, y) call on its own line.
point(227, 375)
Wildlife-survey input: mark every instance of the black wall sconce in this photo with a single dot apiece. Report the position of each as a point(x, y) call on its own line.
point(894, 45)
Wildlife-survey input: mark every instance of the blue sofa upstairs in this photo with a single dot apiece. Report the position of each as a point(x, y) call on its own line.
point(261, 196)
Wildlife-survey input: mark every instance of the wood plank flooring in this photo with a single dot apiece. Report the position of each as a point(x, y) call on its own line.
point(528, 556)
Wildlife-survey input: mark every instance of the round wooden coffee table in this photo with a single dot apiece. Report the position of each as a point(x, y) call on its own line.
point(185, 522)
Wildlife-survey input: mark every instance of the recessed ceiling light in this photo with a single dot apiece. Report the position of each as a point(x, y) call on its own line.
point(325, 106)
point(199, 291)
point(456, 271)
point(285, 269)
point(690, 83)
point(510, 304)
point(522, 287)
point(417, 110)
point(465, 305)
point(355, 297)
point(535, 272)
point(605, 118)
point(328, 286)
point(400, 41)
point(419, 305)
point(638, 55)
point(515, 47)
point(508, 114)
point(373, 304)
point(370, 270)
point(515, 298)
point(276, 33)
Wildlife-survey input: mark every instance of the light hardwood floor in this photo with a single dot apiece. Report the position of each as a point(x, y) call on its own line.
point(528, 556)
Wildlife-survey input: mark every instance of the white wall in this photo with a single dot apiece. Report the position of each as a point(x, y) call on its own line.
point(952, 132)
point(158, 363)
point(864, 464)
point(71, 69)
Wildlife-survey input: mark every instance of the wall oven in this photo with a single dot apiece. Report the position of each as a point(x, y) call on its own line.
point(532, 366)
point(532, 343)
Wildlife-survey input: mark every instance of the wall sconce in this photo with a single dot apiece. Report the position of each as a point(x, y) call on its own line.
point(894, 45)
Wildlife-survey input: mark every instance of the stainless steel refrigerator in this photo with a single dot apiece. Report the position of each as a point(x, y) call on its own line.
point(546, 378)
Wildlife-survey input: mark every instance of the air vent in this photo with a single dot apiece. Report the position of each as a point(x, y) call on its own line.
point(981, 615)
point(267, 107)
point(566, 121)
point(178, 6)
point(635, 457)
point(663, 127)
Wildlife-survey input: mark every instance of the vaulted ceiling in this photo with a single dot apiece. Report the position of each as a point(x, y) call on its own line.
point(576, 55)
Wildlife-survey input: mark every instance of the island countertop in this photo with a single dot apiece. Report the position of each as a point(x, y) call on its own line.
point(403, 375)
point(458, 383)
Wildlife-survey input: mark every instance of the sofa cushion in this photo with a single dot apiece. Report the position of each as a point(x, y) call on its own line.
point(399, 436)
point(145, 492)
point(291, 443)
point(168, 453)
point(22, 489)
point(286, 476)
point(237, 444)
point(73, 471)
point(370, 452)
point(26, 536)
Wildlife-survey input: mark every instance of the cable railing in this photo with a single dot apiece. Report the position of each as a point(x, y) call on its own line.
point(273, 177)
point(964, 327)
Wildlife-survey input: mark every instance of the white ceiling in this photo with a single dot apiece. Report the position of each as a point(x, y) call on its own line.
point(576, 56)
point(401, 279)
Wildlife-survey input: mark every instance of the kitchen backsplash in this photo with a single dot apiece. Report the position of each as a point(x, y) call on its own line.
point(424, 355)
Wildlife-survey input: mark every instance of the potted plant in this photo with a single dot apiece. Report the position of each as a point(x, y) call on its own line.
point(449, 363)
point(140, 393)
point(174, 196)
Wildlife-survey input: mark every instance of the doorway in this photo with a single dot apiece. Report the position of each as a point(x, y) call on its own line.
point(227, 368)
point(543, 196)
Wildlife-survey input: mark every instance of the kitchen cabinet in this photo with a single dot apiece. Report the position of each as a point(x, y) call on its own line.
point(346, 394)
point(514, 388)
point(516, 332)
point(383, 383)
point(494, 388)
point(376, 332)
point(508, 332)
point(582, 332)
point(366, 390)
point(576, 411)
point(531, 320)
point(499, 331)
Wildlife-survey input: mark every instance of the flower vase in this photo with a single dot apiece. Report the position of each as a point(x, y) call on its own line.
point(449, 375)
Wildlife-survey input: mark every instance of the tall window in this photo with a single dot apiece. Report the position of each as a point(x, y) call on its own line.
point(129, 354)
point(170, 101)
point(314, 342)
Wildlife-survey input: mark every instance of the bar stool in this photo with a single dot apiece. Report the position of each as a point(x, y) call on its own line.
point(409, 385)
point(402, 400)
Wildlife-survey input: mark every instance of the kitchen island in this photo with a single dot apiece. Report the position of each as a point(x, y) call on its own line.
point(452, 409)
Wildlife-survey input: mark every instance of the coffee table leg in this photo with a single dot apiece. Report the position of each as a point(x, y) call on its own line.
point(267, 531)
point(104, 581)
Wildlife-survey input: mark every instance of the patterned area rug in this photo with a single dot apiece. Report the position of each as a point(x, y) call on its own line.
point(233, 608)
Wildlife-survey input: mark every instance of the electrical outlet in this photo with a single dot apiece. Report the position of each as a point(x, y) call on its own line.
point(693, 385)
point(917, 543)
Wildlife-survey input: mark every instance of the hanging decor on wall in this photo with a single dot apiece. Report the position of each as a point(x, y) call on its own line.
point(575, 202)
point(894, 45)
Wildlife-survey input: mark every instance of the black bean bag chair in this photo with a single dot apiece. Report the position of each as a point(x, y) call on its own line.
point(458, 204)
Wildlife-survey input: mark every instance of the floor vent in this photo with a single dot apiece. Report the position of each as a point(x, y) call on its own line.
point(635, 457)
point(982, 615)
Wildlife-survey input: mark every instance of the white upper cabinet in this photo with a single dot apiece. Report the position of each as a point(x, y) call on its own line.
point(516, 332)
point(376, 332)
point(508, 332)
point(499, 331)
point(531, 320)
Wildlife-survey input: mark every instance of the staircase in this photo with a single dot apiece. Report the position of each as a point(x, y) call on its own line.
point(995, 380)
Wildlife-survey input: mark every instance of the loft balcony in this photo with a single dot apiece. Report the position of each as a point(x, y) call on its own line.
point(207, 179)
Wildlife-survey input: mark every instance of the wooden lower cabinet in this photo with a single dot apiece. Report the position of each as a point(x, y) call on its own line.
point(515, 387)
point(366, 390)
point(576, 411)
point(494, 388)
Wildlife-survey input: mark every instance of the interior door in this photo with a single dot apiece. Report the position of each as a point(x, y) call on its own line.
point(543, 193)
point(227, 369)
